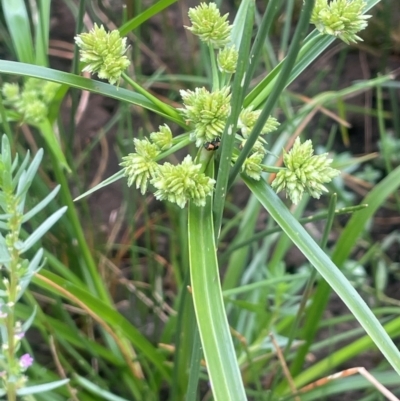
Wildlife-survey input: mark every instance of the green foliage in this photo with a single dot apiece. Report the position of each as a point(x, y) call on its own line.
point(17, 271)
point(192, 302)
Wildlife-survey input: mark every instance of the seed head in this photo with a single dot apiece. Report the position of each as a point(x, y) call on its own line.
point(227, 59)
point(304, 171)
point(341, 18)
point(139, 167)
point(163, 138)
point(207, 111)
point(209, 25)
point(103, 53)
point(183, 182)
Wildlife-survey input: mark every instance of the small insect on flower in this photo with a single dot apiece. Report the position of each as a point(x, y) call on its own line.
point(213, 145)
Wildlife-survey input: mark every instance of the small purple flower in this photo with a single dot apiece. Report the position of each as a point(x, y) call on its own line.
point(25, 361)
point(20, 336)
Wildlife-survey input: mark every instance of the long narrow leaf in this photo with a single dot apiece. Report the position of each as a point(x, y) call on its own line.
point(41, 205)
point(345, 244)
point(144, 16)
point(42, 33)
point(93, 388)
point(17, 20)
point(74, 81)
point(40, 388)
point(42, 229)
point(109, 315)
point(222, 366)
point(334, 277)
point(313, 46)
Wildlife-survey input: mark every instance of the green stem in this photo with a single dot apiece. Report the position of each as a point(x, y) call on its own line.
point(11, 239)
point(168, 110)
point(214, 68)
point(271, 169)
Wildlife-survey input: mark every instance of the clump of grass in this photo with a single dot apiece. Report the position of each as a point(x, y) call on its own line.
point(234, 128)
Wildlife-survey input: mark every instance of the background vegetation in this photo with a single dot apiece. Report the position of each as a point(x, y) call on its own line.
point(113, 310)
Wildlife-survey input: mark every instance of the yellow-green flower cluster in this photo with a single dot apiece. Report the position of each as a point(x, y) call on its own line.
point(304, 172)
point(209, 25)
point(341, 18)
point(227, 59)
point(247, 119)
point(177, 184)
point(32, 102)
point(182, 183)
point(141, 166)
point(207, 112)
point(252, 165)
point(162, 138)
point(103, 53)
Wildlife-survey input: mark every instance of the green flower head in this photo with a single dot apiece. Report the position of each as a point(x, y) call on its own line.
point(258, 147)
point(163, 138)
point(252, 165)
point(248, 118)
point(49, 90)
point(227, 59)
point(207, 111)
point(11, 93)
point(139, 167)
point(32, 102)
point(209, 25)
point(103, 53)
point(181, 183)
point(341, 18)
point(304, 171)
point(34, 111)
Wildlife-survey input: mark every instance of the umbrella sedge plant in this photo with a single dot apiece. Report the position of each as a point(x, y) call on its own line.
point(227, 125)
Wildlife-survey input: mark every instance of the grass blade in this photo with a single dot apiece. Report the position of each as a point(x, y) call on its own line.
point(223, 370)
point(74, 81)
point(16, 16)
point(333, 276)
point(236, 105)
point(144, 16)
